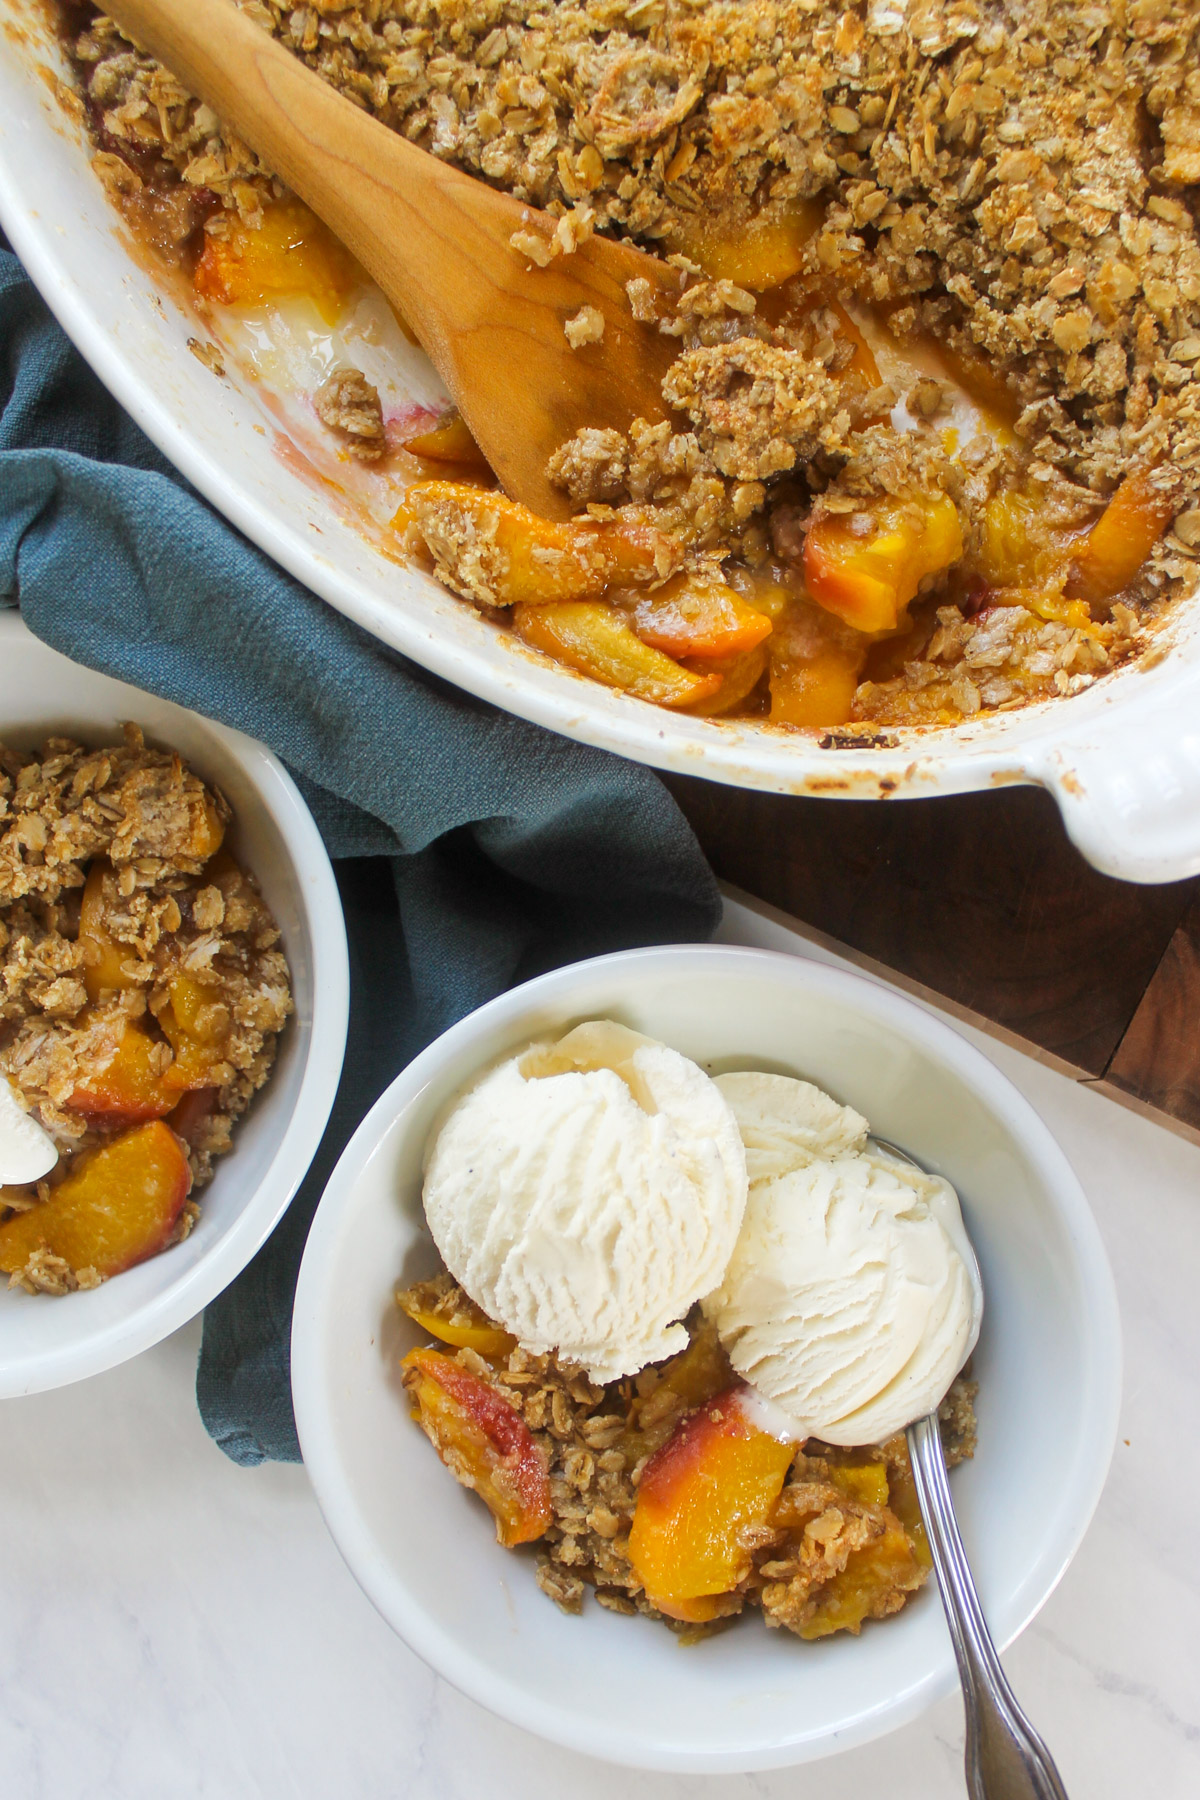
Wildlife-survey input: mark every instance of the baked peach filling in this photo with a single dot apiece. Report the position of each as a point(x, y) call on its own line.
point(483, 1438)
point(816, 619)
point(758, 253)
point(118, 1205)
point(662, 1493)
point(812, 639)
point(289, 252)
point(702, 1499)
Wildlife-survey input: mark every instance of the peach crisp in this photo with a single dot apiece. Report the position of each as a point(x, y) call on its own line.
point(931, 442)
point(142, 991)
point(661, 1493)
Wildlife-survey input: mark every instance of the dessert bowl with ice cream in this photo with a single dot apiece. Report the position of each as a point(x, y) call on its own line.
point(665, 1307)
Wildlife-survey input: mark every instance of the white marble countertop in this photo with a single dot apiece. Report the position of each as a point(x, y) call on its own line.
point(173, 1626)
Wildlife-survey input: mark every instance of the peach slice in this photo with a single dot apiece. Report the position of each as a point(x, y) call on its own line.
point(816, 692)
point(700, 1611)
point(465, 1327)
point(701, 1498)
point(862, 363)
point(530, 559)
point(292, 252)
point(110, 964)
point(816, 662)
point(1027, 561)
point(700, 616)
point(589, 636)
point(1121, 539)
point(191, 1113)
point(117, 1206)
point(866, 566)
point(196, 1026)
point(130, 1087)
point(448, 441)
point(484, 1440)
point(879, 1568)
point(210, 833)
point(865, 1482)
point(740, 675)
point(1013, 550)
point(893, 1562)
point(759, 253)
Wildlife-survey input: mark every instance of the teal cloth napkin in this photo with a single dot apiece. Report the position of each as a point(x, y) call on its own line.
point(473, 850)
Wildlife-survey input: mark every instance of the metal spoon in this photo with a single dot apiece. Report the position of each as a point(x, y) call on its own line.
point(1005, 1757)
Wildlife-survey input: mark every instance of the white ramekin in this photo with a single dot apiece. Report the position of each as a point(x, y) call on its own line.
point(46, 1342)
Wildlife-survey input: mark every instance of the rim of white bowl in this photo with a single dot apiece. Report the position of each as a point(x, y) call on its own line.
point(190, 1293)
point(444, 1652)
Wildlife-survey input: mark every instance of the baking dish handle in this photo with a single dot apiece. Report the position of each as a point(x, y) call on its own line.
point(1130, 793)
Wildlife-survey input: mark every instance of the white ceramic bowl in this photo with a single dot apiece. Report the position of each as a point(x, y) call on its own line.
point(621, 1688)
point(1122, 759)
point(45, 1343)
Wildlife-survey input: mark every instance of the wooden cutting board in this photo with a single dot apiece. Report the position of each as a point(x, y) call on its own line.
point(981, 902)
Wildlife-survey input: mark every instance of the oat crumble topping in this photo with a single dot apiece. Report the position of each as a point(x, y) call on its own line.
point(587, 327)
point(130, 834)
point(349, 405)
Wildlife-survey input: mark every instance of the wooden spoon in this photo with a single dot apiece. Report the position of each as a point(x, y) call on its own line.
point(437, 242)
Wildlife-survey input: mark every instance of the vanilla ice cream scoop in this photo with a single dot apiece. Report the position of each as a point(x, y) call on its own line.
point(587, 1193)
point(783, 1122)
point(850, 1302)
point(26, 1151)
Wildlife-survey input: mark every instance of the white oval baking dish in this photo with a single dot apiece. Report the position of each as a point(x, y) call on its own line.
point(1122, 759)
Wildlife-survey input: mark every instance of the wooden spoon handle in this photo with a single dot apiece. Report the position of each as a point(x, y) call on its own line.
point(373, 188)
point(438, 243)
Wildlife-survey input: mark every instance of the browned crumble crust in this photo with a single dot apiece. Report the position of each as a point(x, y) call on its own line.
point(587, 327)
point(441, 1298)
point(1018, 180)
point(758, 409)
point(597, 1440)
point(592, 465)
point(173, 911)
point(349, 405)
point(1007, 655)
point(1019, 172)
point(139, 807)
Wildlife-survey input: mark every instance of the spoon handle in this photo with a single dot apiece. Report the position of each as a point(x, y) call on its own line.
point(1005, 1757)
point(381, 195)
point(439, 244)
